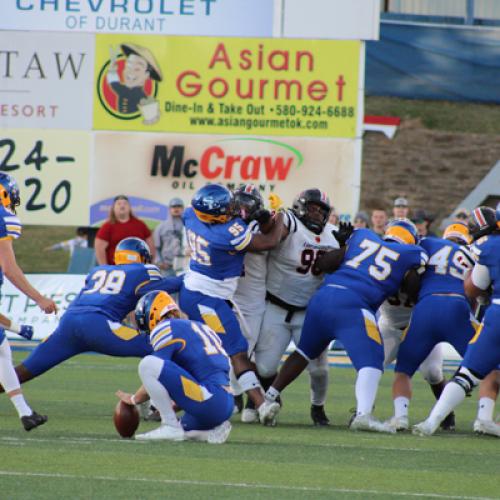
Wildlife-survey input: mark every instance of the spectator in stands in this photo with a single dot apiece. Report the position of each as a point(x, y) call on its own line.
point(121, 224)
point(379, 220)
point(79, 241)
point(168, 239)
point(462, 215)
point(400, 208)
point(334, 218)
point(423, 221)
point(361, 220)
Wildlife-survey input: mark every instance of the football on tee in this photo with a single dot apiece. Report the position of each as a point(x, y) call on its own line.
point(126, 419)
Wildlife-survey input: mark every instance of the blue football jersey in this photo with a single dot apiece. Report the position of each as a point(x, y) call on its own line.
point(487, 251)
point(115, 290)
point(217, 250)
point(447, 267)
point(374, 268)
point(193, 346)
point(10, 227)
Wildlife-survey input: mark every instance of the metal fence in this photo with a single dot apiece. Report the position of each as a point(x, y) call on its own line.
point(469, 11)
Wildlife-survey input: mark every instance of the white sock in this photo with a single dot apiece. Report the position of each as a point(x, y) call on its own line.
point(8, 376)
point(319, 385)
point(401, 406)
point(452, 395)
point(366, 389)
point(485, 409)
point(235, 385)
point(21, 406)
point(272, 394)
point(150, 368)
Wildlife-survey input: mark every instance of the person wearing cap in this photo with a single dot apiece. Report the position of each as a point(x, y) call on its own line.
point(400, 209)
point(361, 220)
point(140, 66)
point(121, 224)
point(168, 239)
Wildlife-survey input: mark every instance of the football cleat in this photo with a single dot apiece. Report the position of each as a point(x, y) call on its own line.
point(249, 416)
point(424, 428)
point(399, 423)
point(164, 432)
point(448, 424)
point(318, 416)
point(219, 434)
point(268, 411)
point(34, 420)
point(368, 422)
point(486, 427)
point(26, 331)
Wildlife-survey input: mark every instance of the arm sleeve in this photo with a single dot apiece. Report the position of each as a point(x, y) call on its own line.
point(481, 277)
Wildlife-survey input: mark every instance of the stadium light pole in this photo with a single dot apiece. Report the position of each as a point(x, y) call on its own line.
point(469, 12)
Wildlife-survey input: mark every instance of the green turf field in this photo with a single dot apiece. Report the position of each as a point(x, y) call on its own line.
point(77, 454)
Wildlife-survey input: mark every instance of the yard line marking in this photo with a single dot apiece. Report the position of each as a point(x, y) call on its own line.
point(90, 440)
point(240, 485)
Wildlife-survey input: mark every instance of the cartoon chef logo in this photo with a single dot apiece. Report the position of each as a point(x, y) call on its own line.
point(128, 84)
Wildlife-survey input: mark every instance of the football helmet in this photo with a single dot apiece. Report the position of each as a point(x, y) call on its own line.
point(132, 251)
point(301, 207)
point(248, 201)
point(457, 232)
point(213, 204)
point(152, 308)
point(483, 220)
point(401, 231)
point(9, 192)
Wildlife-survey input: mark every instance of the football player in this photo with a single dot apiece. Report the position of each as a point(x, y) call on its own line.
point(250, 294)
point(219, 240)
point(93, 321)
point(442, 313)
point(292, 278)
point(371, 269)
point(483, 353)
point(189, 366)
point(10, 229)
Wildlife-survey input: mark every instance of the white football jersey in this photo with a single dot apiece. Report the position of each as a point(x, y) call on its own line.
point(250, 295)
point(396, 311)
point(290, 275)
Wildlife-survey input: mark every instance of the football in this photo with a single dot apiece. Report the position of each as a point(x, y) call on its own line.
point(126, 419)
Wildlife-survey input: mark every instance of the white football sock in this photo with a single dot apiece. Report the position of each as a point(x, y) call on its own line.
point(452, 395)
point(150, 369)
point(21, 406)
point(235, 385)
point(401, 406)
point(366, 389)
point(486, 407)
point(8, 376)
point(319, 383)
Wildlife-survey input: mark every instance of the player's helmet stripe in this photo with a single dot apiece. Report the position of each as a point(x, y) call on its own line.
point(478, 214)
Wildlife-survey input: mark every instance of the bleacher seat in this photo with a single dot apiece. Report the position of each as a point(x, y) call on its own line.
point(82, 261)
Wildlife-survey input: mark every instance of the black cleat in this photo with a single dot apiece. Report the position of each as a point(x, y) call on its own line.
point(318, 416)
point(238, 403)
point(33, 420)
point(448, 424)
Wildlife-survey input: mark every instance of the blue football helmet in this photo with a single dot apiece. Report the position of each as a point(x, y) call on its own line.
point(152, 308)
point(132, 251)
point(213, 203)
point(401, 231)
point(9, 192)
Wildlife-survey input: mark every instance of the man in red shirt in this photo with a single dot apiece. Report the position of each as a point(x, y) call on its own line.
point(121, 224)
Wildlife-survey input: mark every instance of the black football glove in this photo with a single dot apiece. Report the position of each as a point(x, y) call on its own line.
point(262, 216)
point(343, 233)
